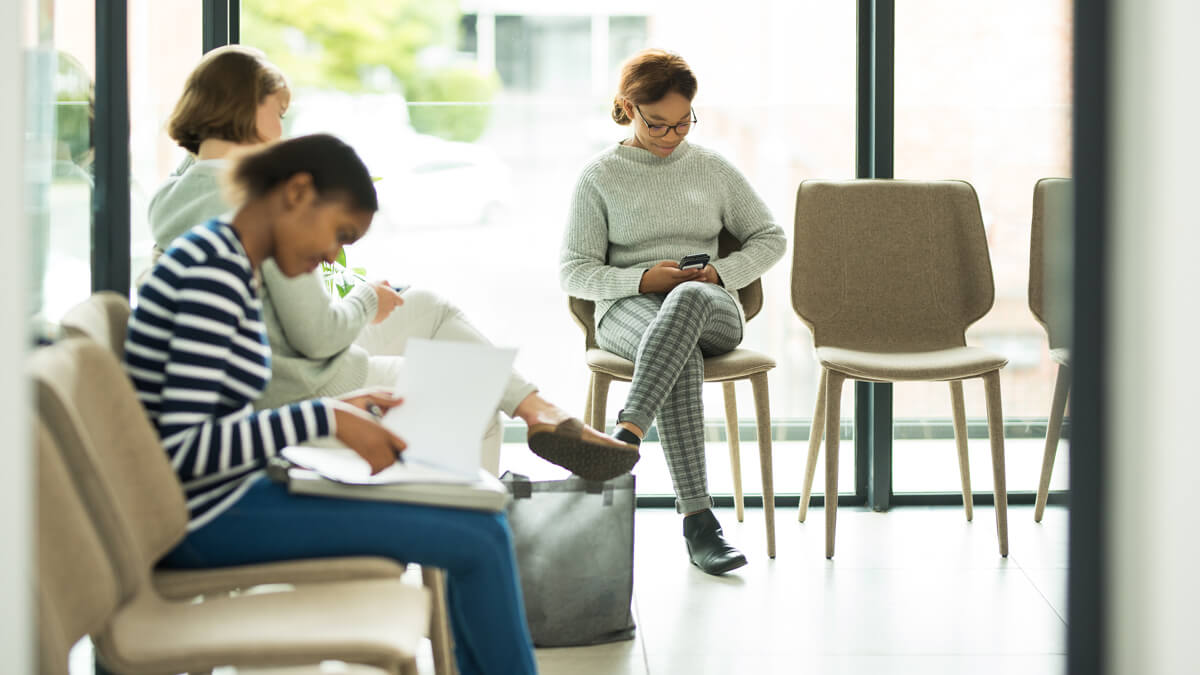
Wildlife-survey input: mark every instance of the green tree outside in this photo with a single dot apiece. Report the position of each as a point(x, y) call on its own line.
point(373, 46)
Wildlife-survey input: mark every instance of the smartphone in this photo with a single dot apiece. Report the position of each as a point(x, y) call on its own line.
point(694, 261)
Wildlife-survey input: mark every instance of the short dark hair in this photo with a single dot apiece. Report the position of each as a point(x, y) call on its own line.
point(336, 170)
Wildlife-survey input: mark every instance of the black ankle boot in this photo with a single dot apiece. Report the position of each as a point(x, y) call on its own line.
point(707, 546)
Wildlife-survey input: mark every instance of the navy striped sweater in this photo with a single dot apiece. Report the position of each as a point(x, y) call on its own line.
point(197, 352)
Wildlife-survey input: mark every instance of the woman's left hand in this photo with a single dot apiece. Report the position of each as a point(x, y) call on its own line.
point(709, 275)
point(374, 402)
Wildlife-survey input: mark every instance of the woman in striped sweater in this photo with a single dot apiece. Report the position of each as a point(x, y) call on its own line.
point(198, 355)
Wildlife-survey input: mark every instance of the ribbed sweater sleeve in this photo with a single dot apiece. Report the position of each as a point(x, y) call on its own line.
point(748, 219)
point(312, 322)
point(584, 270)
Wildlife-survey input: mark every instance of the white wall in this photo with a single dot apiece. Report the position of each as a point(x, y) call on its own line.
point(1154, 437)
point(16, 635)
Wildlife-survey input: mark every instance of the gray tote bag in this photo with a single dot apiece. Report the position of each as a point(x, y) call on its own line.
point(574, 545)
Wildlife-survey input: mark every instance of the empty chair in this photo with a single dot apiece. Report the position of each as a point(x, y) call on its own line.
point(137, 506)
point(1051, 217)
point(888, 275)
point(739, 364)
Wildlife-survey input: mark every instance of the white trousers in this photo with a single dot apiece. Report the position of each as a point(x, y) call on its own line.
point(425, 314)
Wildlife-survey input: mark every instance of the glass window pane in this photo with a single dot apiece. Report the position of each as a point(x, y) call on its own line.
point(974, 103)
point(59, 147)
point(479, 130)
point(165, 42)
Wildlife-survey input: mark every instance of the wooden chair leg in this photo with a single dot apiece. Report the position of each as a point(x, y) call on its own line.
point(599, 400)
point(1053, 432)
point(439, 624)
point(587, 406)
point(817, 431)
point(735, 452)
point(991, 384)
point(960, 440)
point(762, 415)
point(833, 416)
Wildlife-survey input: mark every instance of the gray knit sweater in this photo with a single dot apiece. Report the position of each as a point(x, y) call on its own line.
point(633, 209)
point(311, 333)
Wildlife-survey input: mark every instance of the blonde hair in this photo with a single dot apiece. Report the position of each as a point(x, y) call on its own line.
point(222, 95)
point(650, 75)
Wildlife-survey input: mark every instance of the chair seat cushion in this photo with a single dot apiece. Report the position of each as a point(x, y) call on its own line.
point(955, 363)
point(179, 584)
point(377, 622)
point(735, 365)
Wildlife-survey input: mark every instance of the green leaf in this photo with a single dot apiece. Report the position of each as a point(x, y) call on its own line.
point(341, 257)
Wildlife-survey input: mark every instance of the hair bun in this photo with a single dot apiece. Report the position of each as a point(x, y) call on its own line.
point(618, 112)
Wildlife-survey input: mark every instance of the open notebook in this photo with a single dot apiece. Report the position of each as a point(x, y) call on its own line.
point(450, 393)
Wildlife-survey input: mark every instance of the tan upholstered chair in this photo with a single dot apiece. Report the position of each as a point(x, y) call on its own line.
point(740, 364)
point(76, 584)
point(888, 275)
point(78, 589)
point(137, 506)
point(1051, 217)
point(103, 318)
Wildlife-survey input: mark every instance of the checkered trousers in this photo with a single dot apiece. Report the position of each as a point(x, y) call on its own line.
point(667, 337)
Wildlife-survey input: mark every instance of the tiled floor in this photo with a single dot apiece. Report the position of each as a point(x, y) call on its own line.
point(916, 590)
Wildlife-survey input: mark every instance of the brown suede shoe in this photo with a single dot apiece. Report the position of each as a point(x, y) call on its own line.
point(563, 444)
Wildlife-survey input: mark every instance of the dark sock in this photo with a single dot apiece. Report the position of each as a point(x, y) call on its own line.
point(627, 436)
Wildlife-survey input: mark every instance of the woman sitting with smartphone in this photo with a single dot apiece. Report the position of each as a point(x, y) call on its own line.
point(321, 345)
point(639, 208)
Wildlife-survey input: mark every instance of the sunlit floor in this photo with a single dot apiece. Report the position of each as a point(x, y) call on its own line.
point(917, 590)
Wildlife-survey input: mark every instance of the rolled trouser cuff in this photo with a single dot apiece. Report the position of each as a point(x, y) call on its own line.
point(692, 504)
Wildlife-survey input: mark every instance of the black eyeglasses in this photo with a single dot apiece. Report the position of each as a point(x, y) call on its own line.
point(660, 130)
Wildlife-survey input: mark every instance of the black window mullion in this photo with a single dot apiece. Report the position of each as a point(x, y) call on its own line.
point(235, 22)
point(216, 24)
point(110, 196)
point(1087, 607)
point(874, 152)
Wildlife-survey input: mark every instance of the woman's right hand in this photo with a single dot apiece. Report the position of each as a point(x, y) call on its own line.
point(388, 298)
point(359, 431)
point(665, 276)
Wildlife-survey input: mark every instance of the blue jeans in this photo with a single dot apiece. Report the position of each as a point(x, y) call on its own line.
point(475, 548)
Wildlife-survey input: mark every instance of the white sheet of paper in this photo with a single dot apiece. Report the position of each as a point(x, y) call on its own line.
point(450, 391)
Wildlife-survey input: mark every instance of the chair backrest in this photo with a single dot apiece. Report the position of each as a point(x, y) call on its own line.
point(1052, 209)
point(121, 470)
point(890, 265)
point(102, 317)
point(77, 586)
point(751, 297)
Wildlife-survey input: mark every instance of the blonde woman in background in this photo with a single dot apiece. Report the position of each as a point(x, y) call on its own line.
point(322, 345)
